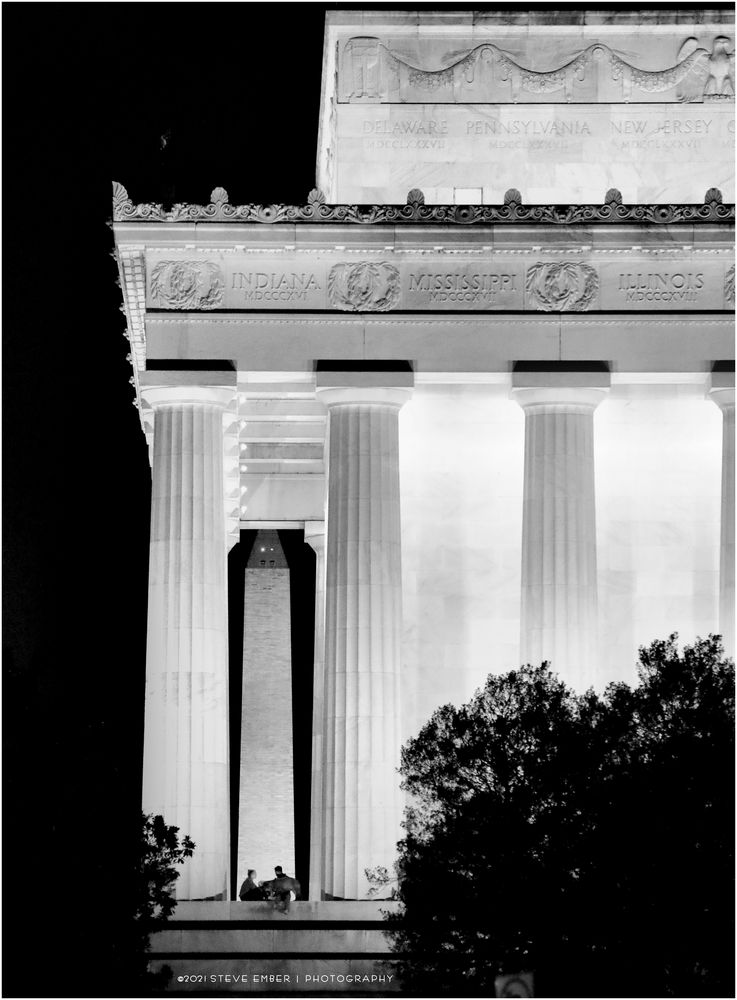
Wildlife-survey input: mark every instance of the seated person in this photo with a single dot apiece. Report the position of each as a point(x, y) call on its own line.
point(282, 887)
point(251, 890)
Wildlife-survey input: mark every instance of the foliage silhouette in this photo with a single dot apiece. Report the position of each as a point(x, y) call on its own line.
point(160, 851)
point(585, 838)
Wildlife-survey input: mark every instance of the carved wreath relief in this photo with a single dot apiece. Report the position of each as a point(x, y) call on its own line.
point(364, 286)
point(564, 287)
point(371, 71)
point(187, 284)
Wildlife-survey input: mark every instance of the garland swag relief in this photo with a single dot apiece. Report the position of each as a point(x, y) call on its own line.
point(372, 72)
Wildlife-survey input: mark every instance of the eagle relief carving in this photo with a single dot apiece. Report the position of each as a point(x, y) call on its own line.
point(565, 286)
point(186, 284)
point(364, 287)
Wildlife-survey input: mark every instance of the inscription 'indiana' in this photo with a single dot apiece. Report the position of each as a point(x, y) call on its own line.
point(283, 286)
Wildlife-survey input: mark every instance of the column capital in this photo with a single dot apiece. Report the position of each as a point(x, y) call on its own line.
point(169, 388)
point(557, 385)
point(315, 534)
point(337, 388)
point(720, 388)
point(579, 396)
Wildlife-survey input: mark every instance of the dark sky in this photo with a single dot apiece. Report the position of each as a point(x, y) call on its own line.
point(171, 100)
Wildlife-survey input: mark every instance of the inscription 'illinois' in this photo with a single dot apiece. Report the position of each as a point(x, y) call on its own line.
point(675, 286)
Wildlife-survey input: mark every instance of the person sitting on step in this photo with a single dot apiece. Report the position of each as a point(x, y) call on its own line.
point(251, 890)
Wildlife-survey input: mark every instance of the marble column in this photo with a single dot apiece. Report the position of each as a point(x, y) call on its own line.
point(185, 759)
point(363, 620)
point(559, 575)
point(722, 393)
point(315, 537)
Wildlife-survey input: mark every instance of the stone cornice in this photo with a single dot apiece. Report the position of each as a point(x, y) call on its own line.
point(416, 212)
point(516, 16)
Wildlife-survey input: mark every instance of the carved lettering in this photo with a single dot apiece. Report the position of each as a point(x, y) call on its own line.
point(479, 287)
point(629, 127)
point(410, 126)
point(558, 127)
point(676, 286)
point(262, 286)
point(406, 144)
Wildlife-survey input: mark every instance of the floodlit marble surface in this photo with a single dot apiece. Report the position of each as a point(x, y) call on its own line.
point(658, 474)
point(651, 153)
point(559, 604)
point(461, 472)
point(363, 622)
point(185, 755)
point(465, 107)
point(315, 537)
point(722, 393)
point(658, 480)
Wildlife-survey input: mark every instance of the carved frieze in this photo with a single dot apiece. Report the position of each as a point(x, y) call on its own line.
point(362, 56)
point(729, 286)
point(569, 286)
point(364, 287)
point(186, 284)
point(417, 212)
point(372, 71)
point(512, 281)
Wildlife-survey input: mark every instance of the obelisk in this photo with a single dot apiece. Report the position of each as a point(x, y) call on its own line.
point(266, 800)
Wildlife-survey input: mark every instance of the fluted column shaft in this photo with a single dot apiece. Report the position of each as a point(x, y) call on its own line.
point(315, 537)
point(185, 768)
point(725, 400)
point(363, 618)
point(559, 574)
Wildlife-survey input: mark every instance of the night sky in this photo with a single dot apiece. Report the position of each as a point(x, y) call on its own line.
point(171, 100)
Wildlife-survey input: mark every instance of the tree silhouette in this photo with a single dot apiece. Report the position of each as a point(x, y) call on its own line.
point(585, 838)
point(154, 873)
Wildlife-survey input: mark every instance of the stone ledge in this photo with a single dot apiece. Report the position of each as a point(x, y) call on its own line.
point(363, 911)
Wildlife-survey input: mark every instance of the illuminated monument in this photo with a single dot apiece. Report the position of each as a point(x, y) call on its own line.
point(478, 369)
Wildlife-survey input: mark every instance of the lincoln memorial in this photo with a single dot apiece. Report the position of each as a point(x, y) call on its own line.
point(485, 372)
